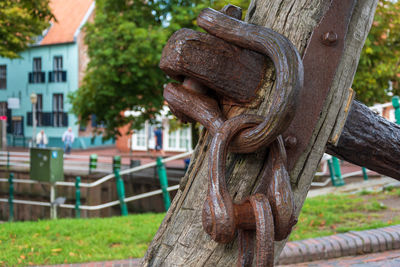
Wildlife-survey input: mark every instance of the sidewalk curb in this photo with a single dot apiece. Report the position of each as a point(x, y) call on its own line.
point(347, 244)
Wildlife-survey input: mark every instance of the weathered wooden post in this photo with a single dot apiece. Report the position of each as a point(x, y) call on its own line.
point(226, 76)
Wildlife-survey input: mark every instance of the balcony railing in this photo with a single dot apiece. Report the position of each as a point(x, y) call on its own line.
point(57, 76)
point(36, 77)
point(53, 119)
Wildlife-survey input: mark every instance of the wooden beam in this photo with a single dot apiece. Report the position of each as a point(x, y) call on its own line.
point(181, 240)
point(370, 141)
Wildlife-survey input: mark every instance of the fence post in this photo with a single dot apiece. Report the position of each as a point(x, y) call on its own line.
point(92, 162)
point(365, 175)
point(396, 106)
point(8, 160)
point(162, 175)
point(116, 163)
point(11, 197)
point(53, 208)
point(121, 192)
point(77, 197)
point(338, 174)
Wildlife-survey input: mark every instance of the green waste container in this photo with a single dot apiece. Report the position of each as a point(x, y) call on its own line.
point(47, 164)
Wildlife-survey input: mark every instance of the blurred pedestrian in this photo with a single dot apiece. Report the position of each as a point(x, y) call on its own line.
point(41, 139)
point(158, 134)
point(68, 139)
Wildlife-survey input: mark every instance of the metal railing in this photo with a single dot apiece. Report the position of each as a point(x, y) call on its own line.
point(71, 162)
point(93, 184)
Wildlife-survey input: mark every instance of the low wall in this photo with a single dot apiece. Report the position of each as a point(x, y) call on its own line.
point(104, 193)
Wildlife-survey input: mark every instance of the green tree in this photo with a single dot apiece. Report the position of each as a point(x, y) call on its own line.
point(20, 22)
point(125, 43)
point(380, 58)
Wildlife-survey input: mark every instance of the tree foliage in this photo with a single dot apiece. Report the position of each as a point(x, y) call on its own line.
point(380, 58)
point(20, 22)
point(125, 43)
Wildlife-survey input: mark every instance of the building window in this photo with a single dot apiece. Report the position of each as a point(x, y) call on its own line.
point(58, 63)
point(172, 139)
point(58, 110)
point(18, 125)
point(58, 74)
point(179, 140)
point(37, 64)
point(184, 137)
point(140, 138)
point(37, 75)
point(3, 77)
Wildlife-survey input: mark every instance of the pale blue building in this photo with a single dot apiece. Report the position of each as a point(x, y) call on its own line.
point(51, 69)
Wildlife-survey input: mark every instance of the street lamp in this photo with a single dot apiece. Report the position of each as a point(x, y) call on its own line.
point(33, 97)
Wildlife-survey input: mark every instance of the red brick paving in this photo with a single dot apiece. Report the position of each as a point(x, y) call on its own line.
point(335, 246)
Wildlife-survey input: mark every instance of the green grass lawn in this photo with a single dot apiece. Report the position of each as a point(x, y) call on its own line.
point(76, 240)
point(331, 214)
point(83, 240)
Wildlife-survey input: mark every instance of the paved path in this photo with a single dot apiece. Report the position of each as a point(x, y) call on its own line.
point(371, 185)
point(118, 263)
point(384, 259)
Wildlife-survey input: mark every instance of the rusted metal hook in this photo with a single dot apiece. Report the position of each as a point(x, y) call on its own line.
point(289, 74)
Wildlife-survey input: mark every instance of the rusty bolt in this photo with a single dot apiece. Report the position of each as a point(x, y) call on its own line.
point(290, 142)
point(193, 85)
point(232, 11)
point(329, 38)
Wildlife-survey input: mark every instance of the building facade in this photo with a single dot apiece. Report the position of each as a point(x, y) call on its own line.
point(173, 140)
point(52, 68)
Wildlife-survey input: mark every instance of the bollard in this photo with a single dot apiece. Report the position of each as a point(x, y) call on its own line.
point(53, 207)
point(338, 174)
point(121, 193)
point(116, 163)
point(92, 162)
point(162, 175)
point(331, 173)
point(396, 106)
point(11, 197)
point(77, 197)
point(365, 175)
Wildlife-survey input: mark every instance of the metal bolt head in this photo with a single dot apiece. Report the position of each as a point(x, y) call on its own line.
point(232, 11)
point(329, 38)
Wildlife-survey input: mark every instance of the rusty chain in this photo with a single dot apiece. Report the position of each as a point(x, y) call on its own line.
point(268, 214)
